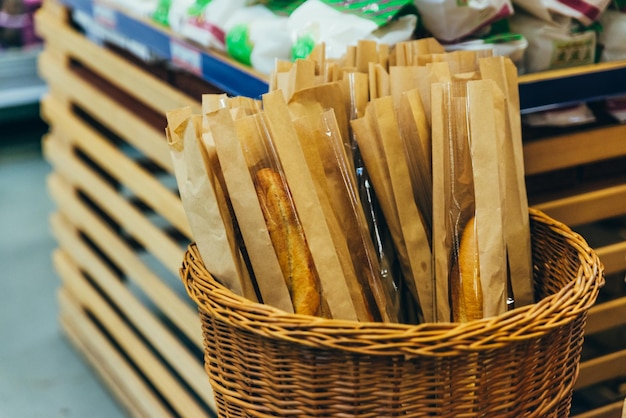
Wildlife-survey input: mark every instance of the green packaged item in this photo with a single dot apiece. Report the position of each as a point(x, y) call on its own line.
point(238, 44)
point(379, 12)
point(161, 14)
point(197, 7)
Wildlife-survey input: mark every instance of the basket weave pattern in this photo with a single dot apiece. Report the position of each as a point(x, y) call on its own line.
point(263, 362)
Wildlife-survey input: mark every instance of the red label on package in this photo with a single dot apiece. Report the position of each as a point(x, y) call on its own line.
point(186, 57)
point(104, 15)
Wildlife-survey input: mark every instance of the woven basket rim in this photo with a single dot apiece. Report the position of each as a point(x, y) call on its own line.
point(427, 339)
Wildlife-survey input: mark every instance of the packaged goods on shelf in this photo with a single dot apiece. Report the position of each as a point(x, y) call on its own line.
point(450, 20)
point(579, 114)
point(16, 23)
point(556, 44)
point(584, 11)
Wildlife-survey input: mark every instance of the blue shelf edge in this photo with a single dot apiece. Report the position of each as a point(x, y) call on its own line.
point(551, 93)
point(535, 96)
point(222, 74)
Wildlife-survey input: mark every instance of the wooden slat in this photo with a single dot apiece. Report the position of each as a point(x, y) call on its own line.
point(115, 117)
point(601, 369)
point(571, 71)
point(613, 410)
point(132, 392)
point(139, 83)
point(150, 365)
point(125, 170)
point(55, 9)
point(160, 337)
point(132, 176)
point(587, 207)
point(606, 315)
point(574, 149)
point(178, 311)
point(613, 257)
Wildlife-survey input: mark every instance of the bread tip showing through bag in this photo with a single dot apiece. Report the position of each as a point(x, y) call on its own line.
point(289, 242)
point(466, 290)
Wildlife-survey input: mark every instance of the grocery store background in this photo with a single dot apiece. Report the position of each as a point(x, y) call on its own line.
point(42, 374)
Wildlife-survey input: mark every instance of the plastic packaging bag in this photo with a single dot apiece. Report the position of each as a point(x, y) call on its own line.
point(584, 11)
point(611, 38)
point(555, 44)
point(257, 37)
point(317, 22)
point(205, 21)
point(452, 20)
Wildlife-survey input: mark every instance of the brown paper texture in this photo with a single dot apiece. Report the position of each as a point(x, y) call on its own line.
point(380, 84)
point(345, 199)
point(334, 284)
point(402, 79)
point(306, 136)
point(516, 220)
point(301, 76)
point(429, 74)
point(211, 103)
point(329, 96)
point(366, 53)
point(418, 149)
point(489, 201)
point(406, 53)
point(413, 230)
point(193, 175)
point(267, 272)
point(441, 238)
point(277, 79)
point(370, 144)
point(453, 185)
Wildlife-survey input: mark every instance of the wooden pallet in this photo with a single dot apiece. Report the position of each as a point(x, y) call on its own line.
point(580, 205)
point(122, 231)
point(120, 225)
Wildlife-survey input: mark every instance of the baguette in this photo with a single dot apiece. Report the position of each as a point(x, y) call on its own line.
point(289, 242)
point(465, 287)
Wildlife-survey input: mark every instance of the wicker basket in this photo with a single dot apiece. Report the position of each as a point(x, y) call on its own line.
point(263, 362)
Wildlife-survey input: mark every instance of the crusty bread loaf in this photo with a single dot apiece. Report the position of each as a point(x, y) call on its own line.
point(289, 242)
point(465, 287)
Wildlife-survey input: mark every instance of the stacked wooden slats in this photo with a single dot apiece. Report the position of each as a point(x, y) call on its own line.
point(120, 225)
point(122, 231)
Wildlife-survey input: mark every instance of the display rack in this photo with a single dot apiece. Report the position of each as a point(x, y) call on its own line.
point(122, 231)
point(225, 74)
point(537, 91)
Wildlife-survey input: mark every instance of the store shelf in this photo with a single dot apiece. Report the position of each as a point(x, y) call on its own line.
point(223, 73)
point(19, 83)
point(540, 91)
point(122, 231)
point(551, 89)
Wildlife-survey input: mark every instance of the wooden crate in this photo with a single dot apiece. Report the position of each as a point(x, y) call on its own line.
point(122, 231)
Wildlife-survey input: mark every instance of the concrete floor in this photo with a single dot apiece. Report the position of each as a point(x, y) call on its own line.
point(41, 374)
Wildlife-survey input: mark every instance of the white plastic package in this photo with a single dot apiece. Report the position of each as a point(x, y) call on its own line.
point(319, 22)
point(553, 45)
point(257, 37)
point(612, 38)
point(584, 11)
point(451, 20)
point(177, 14)
point(209, 28)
